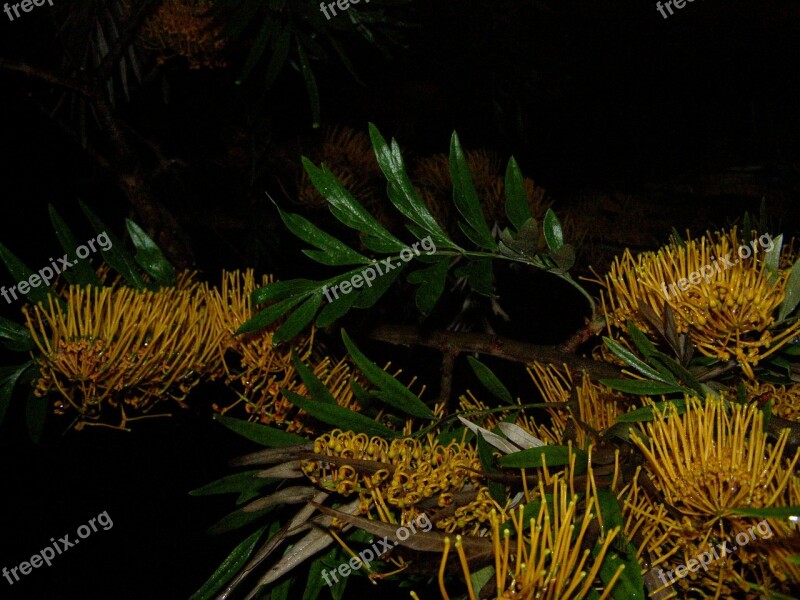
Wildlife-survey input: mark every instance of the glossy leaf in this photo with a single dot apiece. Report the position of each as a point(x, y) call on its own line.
point(490, 380)
point(236, 483)
point(80, 273)
point(466, 198)
point(391, 391)
point(517, 208)
point(772, 512)
point(315, 387)
point(298, 320)
point(496, 489)
point(229, 567)
point(116, 256)
point(280, 290)
point(16, 336)
point(338, 416)
point(641, 388)
point(646, 413)
point(21, 273)
point(269, 315)
point(331, 251)
point(630, 359)
point(792, 295)
point(260, 434)
point(149, 256)
point(553, 455)
point(9, 376)
point(553, 234)
point(431, 282)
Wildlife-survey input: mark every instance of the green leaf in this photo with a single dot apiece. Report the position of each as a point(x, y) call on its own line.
point(335, 415)
point(314, 386)
point(630, 583)
point(18, 337)
point(490, 380)
point(677, 239)
point(236, 520)
point(349, 211)
point(466, 198)
point(517, 208)
point(774, 512)
point(280, 290)
point(35, 413)
point(280, 591)
point(392, 392)
point(630, 359)
point(792, 294)
point(149, 256)
point(641, 388)
point(260, 434)
point(314, 582)
point(481, 577)
point(259, 46)
point(552, 230)
point(116, 256)
point(22, 274)
point(8, 381)
point(401, 191)
point(81, 273)
point(641, 341)
point(369, 296)
point(298, 320)
point(553, 455)
point(772, 257)
point(336, 309)
point(431, 282)
point(681, 372)
point(485, 454)
point(331, 251)
point(229, 567)
point(479, 275)
point(236, 483)
point(646, 413)
point(269, 315)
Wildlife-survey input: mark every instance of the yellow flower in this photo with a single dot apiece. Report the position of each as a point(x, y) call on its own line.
point(719, 291)
point(121, 345)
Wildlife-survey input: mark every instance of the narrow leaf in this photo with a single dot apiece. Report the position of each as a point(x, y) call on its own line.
point(149, 256)
point(792, 294)
point(314, 386)
point(260, 434)
point(116, 256)
point(466, 197)
point(490, 380)
point(298, 320)
point(229, 567)
point(641, 388)
point(81, 273)
point(517, 208)
point(338, 416)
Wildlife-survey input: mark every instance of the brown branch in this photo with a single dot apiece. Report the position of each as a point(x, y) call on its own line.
point(18, 66)
point(482, 343)
point(446, 386)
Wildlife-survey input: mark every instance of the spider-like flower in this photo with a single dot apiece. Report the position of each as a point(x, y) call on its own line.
point(723, 297)
point(121, 345)
point(259, 369)
point(400, 475)
point(549, 557)
point(184, 28)
point(785, 398)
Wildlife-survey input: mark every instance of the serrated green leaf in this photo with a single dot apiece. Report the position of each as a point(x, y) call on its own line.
point(229, 567)
point(331, 251)
point(401, 191)
point(22, 274)
point(280, 290)
point(335, 415)
point(298, 320)
point(517, 208)
point(772, 512)
point(149, 256)
point(553, 234)
point(349, 211)
point(646, 413)
point(260, 434)
point(490, 380)
point(792, 294)
point(466, 198)
point(641, 388)
point(431, 282)
point(553, 455)
point(392, 391)
point(630, 359)
point(80, 273)
point(116, 256)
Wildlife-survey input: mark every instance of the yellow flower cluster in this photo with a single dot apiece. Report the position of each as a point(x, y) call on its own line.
point(705, 464)
point(400, 474)
point(132, 348)
point(184, 28)
point(728, 313)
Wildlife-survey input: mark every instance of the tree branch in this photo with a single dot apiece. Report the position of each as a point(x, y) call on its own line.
point(449, 342)
point(18, 66)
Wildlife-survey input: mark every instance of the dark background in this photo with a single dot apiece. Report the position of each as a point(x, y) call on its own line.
point(591, 97)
